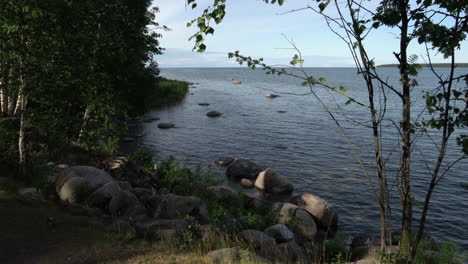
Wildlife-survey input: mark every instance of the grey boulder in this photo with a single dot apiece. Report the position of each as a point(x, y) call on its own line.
point(214, 114)
point(74, 184)
point(222, 194)
point(101, 197)
point(241, 168)
point(325, 213)
point(304, 222)
point(280, 233)
point(272, 182)
point(246, 183)
point(126, 204)
point(259, 241)
point(178, 207)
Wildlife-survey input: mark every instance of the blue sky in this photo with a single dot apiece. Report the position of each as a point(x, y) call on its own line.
point(256, 29)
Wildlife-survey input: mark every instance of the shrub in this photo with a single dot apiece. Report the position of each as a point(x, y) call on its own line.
point(143, 158)
point(184, 181)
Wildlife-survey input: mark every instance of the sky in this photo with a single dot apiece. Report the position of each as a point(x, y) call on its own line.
point(259, 30)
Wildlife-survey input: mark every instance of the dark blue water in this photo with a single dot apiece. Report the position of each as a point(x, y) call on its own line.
point(317, 158)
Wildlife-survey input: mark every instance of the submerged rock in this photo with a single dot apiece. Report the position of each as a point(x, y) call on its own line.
point(225, 161)
point(150, 119)
point(165, 125)
point(213, 114)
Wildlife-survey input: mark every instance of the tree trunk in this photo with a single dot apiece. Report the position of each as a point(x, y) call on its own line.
point(406, 199)
point(83, 126)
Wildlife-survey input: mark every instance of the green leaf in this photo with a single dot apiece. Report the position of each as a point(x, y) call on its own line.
point(201, 48)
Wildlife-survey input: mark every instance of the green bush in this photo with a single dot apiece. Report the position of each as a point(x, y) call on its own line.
point(450, 253)
point(143, 158)
point(260, 221)
point(183, 181)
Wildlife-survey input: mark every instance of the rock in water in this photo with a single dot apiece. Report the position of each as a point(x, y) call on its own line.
point(241, 168)
point(324, 212)
point(248, 184)
point(214, 114)
point(273, 182)
point(165, 125)
point(226, 161)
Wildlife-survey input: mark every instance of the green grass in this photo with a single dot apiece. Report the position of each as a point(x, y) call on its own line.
point(167, 92)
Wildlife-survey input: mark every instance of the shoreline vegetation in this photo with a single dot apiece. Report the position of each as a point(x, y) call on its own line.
point(435, 65)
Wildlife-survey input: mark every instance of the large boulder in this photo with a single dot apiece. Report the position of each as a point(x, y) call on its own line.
point(280, 233)
point(101, 197)
point(259, 241)
point(241, 168)
point(74, 184)
point(178, 207)
point(75, 190)
point(272, 182)
point(325, 213)
point(303, 222)
point(222, 194)
point(126, 204)
point(257, 204)
point(291, 252)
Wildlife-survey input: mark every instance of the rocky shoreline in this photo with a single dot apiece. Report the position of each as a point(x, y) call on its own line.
point(133, 202)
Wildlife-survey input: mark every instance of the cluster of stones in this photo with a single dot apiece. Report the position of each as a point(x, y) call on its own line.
point(132, 204)
point(309, 213)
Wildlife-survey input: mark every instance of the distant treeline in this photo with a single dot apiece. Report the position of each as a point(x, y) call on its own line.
point(435, 65)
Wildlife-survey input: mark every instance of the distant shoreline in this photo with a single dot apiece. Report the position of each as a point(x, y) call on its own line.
point(435, 65)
